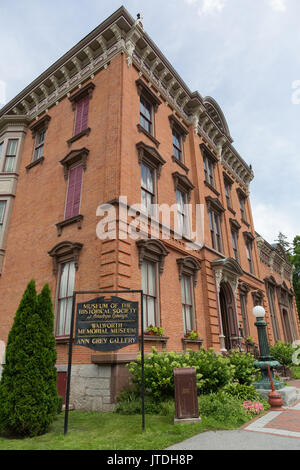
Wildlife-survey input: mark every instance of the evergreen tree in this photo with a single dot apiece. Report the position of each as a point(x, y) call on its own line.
point(283, 242)
point(27, 392)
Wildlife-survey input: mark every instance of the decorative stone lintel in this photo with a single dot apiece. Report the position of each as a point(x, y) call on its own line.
point(189, 266)
point(144, 89)
point(150, 156)
point(41, 124)
point(75, 156)
point(65, 251)
point(176, 124)
point(183, 183)
point(73, 220)
point(81, 93)
point(152, 250)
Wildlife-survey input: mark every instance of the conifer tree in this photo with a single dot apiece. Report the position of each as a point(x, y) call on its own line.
point(27, 392)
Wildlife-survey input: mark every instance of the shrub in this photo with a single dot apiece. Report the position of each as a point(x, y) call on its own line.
point(283, 352)
point(212, 371)
point(241, 391)
point(222, 409)
point(244, 370)
point(28, 393)
point(130, 402)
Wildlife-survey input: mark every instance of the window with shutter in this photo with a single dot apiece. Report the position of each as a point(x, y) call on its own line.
point(74, 192)
point(81, 117)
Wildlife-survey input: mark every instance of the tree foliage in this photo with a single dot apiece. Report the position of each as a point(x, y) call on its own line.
point(294, 258)
point(28, 388)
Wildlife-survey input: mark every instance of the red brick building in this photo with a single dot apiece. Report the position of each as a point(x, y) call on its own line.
point(112, 119)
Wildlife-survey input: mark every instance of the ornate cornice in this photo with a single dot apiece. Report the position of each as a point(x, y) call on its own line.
point(120, 33)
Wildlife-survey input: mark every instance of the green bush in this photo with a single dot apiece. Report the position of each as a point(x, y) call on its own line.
point(28, 389)
point(283, 352)
point(242, 392)
point(222, 409)
point(212, 371)
point(244, 370)
point(130, 402)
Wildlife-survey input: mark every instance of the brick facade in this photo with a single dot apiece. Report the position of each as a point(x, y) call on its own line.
point(39, 239)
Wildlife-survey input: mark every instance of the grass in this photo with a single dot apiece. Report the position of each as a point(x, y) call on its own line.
point(109, 431)
point(115, 431)
point(296, 372)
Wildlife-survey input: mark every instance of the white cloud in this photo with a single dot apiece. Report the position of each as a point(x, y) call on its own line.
point(211, 6)
point(208, 7)
point(269, 220)
point(278, 5)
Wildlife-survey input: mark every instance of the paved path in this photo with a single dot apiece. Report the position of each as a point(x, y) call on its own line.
point(276, 430)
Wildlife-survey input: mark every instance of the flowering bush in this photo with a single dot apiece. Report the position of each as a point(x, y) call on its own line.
point(244, 372)
point(253, 407)
point(213, 371)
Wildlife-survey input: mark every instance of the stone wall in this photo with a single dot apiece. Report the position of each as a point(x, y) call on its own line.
point(90, 388)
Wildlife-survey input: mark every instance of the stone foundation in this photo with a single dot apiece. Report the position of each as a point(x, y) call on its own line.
point(91, 388)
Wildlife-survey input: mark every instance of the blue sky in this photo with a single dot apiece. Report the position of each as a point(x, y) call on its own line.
point(243, 53)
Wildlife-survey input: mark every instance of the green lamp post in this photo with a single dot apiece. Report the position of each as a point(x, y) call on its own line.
point(264, 358)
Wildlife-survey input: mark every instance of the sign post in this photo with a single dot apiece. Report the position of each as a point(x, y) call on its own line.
point(105, 325)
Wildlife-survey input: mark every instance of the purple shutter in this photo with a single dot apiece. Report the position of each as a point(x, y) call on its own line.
point(85, 113)
point(74, 192)
point(82, 112)
point(79, 107)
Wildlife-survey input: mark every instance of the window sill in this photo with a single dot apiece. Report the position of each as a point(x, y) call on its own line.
point(245, 222)
point(73, 220)
point(212, 188)
point(180, 163)
point(62, 339)
point(78, 136)
point(150, 136)
point(34, 163)
point(187, 341)
point(156, 339)
point(231, 210)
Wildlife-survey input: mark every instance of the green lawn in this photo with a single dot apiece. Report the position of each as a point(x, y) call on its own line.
point(111, 431)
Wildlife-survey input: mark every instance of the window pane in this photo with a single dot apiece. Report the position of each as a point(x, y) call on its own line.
point(187, 281)
point(147, 178)
point(71, 279)
point(151, 279)
point(61, 317)
point(39, 152)
point(2, 209)
point(65, 298)
point(151, 311)
point(188, 318)
point(145, 108)
point(64, 281)
point(12, 147)
point(9, 164)
point(182, 290)
point(144, 277)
